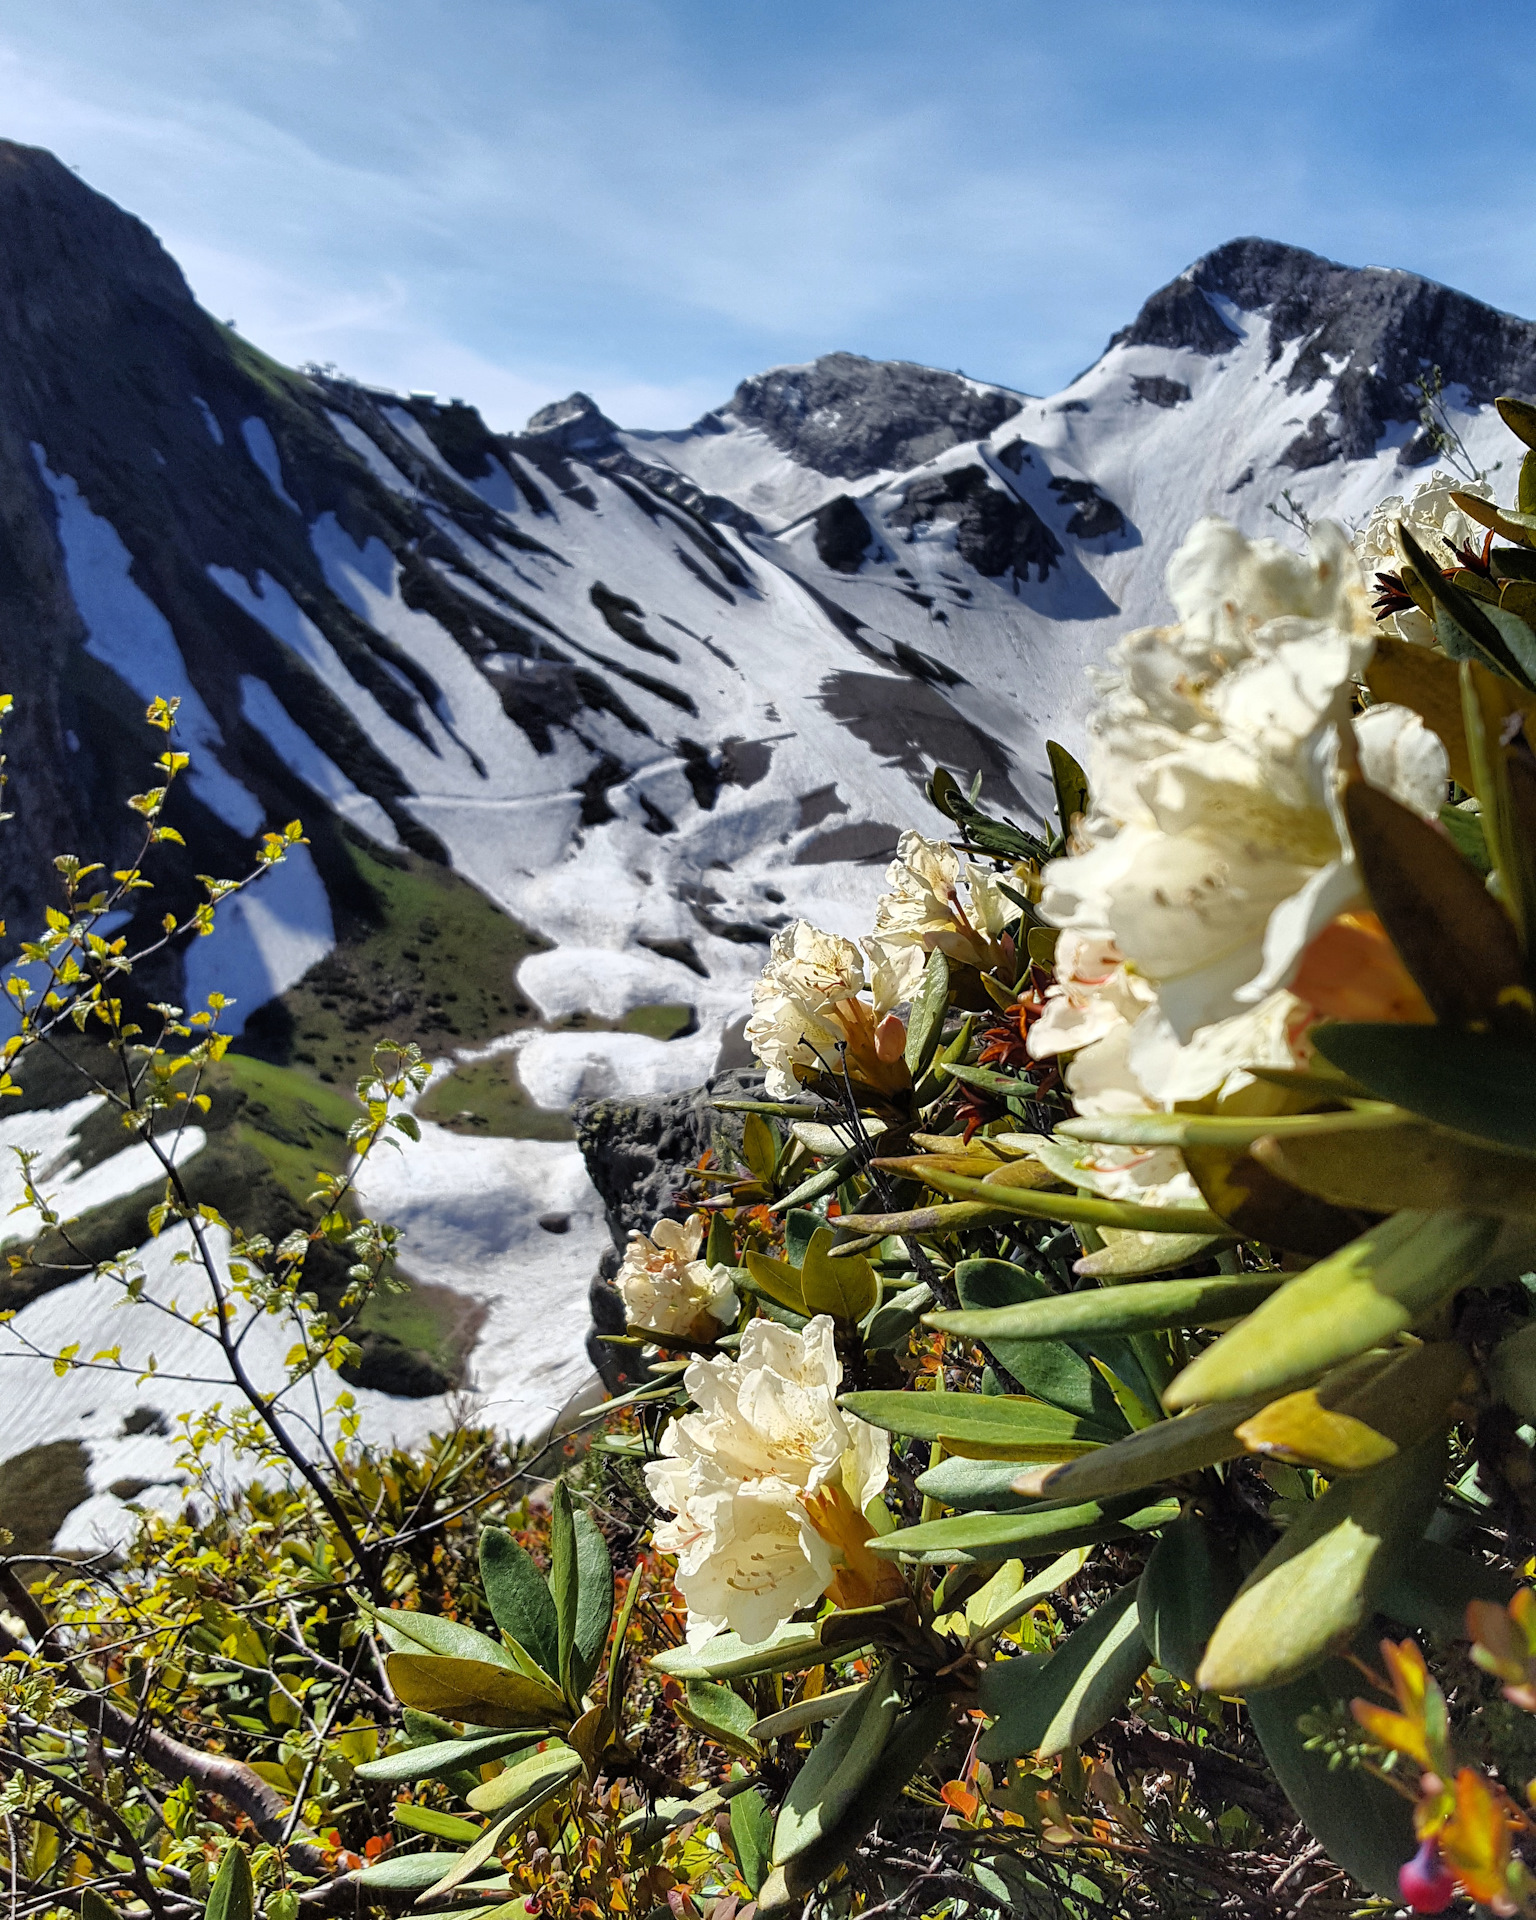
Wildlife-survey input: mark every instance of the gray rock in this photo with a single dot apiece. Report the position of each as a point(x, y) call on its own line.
point(843, 535)
point(639, 1153)
point(994, 530)
point(849, 417)
point(1386, 327)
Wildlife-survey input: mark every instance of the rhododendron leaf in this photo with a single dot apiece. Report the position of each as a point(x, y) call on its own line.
point(720, 1247)
point(795, 1645)
point(467, 1863)
point(1071, 785)
point(1319, 1582)
point(407, 1872)
point(1044, 1707)
point(925, 1021)
point(518, 1597)
point(564, 1578)
point(1225, 1129)
point(752, 1837)
point(1131, 1256)
point(1519, 416)
point(1375, 1288)
point(1475, 1083)
point(1186, 1586)
point(1256, 1204)
point(777, 1279)
point(759, 1147)
point(980, 1426)
point(800, 1227)
point(233, 1895)
point(840, 1762)
point(719, 1713)
point(1462, 626)
point(969, 1485)
point(1150, 1306)
point(845, 1288)
point(1052, 1370)
point(1043, 1528)
point(527, 1783)
point(818, 1183)
point(1166, 1451)
point(473, 1691)
point(895, 1318)
point(411, 1632)
point(1418, 1165)
point(1300, 1428)
point(1363, 1823)
point(1436, 1584)
point(438, 1758)
point(594, 1601)
point(1402, 674)
point(915, 1735)
point(1453, 936)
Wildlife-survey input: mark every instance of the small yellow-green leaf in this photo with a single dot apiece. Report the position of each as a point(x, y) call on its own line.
point(1166, 1451)
point(778, 1280)
point(1299, 1427)
point(473, 1691)
point(845, 1288)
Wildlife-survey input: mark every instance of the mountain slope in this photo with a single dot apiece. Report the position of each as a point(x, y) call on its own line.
point(576, 717)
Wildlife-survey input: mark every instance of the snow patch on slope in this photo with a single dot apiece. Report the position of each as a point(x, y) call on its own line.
point(271, 719)
point(262, 448)
point(263, 940)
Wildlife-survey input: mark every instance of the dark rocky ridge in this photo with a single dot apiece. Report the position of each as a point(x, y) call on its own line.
point(1387, 327)
point(848, 417)
point(578, 427)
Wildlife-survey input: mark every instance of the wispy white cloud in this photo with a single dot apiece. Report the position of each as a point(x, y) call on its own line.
point(510, 198)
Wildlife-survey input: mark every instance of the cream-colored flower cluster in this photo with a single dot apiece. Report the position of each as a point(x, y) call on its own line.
point(767, 1438)
point(1216, 847)
point(666, 1287)
point(1439, 526)
point(822, 1000)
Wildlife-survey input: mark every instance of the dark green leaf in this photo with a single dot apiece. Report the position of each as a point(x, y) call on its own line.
point(752, 1837)
point(1071, 785)
point(518, 1597)
point(564, 1582)
point(408, 1872)
point(1026, 1534)
point(845, 1288)
point(233, 1896)
point(440, 1757)
point(925, 1020)
point(1050, 1370)
point(1476, 1083)
point(1045, 1707)
point(1186, 1586)
point(1434, 1586)
point(720, 1713)
point(800, 1226)
point(984, 1427)
point(848, 1751)
point(594, 1601)
point(1148, 1306)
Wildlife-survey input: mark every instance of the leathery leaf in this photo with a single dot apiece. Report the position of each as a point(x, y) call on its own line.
point(846, 1288)
point(1319, 1582)
point(527, 1783)
point(1369, 1291)
point(1166, 1451)
point(1044, 1707)
point(518, 1597)
point(1149, 1305)
point(840, 1762)
point(1041, 1529)
point(1475, 1083)
point(1187, 1584)
point(473, 1691)
point(1418, 1165)
point(980, 1426)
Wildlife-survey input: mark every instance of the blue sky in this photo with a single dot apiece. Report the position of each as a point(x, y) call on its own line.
point(507, 199)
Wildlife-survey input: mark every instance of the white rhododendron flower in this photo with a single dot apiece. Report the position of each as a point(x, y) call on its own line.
point(808, 1006)
point(936, 899)
point(666, 1286)
point(1216, 847)
point(737, 1472)
point(1439, 526)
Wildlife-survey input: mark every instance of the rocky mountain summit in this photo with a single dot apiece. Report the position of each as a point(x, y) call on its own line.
point(577, 716)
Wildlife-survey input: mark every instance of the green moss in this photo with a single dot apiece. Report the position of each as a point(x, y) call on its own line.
point(487, 1097)
point(665, 1022)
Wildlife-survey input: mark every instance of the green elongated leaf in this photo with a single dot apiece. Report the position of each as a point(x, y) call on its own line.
point(1471, 631)
point(925, 1021)
point(1226, 1130)
point(846, 1289)
point(800, 1227)
point(1186, 1586)
point(94, 1907)
point(1453, 936)
point(473, 1691)
point(806, 1713)
point(969, 1485)
point(1052, 1370)
point(1475, 1083)
point(1132, 1256)
point(1043, 1708)
point(528, 1782)
point(428, 1633)
point(1418, 1165)
point(780, 1281)
point(999, 1612)
point(1363, 1824)
point(895, 1318)
point(720, 1713)
point(1076, 1209)
point(987, 1080)
point(981, 1426)
point(564, 1583)
point(1519, 416)
point(440, 1757)
point(1467, 837)
point(442, 1826)
point(471, 1862)
point(1028, 1533)
point(818, 1183)
point(759, 1146)
point(1070, 782)
point(1319, 1583)
point(1150, 1305)
point(407, 1872)
point(840, 1762)
point(233, 1895)
point(1435, 1584)
point(1166, 1451)
point(594, 1601)
point(795, 1645)
point(752, 1837)
point(1375, 1288)
point(720, 1247)
point(518, 1597)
